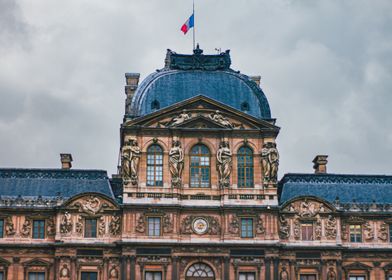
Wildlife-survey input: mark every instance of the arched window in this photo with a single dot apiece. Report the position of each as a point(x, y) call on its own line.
point(154, 166)
point(200, 166)
point(155, 105)
point(245, 106)
point(245, 167)
point(200, 271)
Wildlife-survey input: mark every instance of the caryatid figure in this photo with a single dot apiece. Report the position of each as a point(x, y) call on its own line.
point(270, 161)
point(224, 165)
point(130, 161)
point(176, 163)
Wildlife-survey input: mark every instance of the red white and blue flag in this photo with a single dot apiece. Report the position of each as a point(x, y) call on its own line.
point(188, 24)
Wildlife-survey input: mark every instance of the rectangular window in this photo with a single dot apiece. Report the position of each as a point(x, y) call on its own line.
point(154, 226)
point(39, 229)
point(1, 230)
point(357, 277)
point(307, 277)
point(307, 231)
point(390, 234)
point(36, 275)
point(247, 227)
point(1, 275)
point(89, 276)
point(247, 276)
point(90, 229)
point(355, 233)
point(153, 275)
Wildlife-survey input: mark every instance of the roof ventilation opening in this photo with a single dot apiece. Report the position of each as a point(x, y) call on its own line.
point(66, 161)
point(245, 107)
point(155, 105)
point(320, 164)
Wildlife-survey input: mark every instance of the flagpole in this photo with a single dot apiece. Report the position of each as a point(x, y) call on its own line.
point(193, 10)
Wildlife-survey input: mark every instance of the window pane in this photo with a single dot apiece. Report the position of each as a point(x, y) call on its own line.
point(1, 232)
point(89, 275)
point(245, 167)
point(38, 229)
point(154, 166)
point(200, 167)
point(36, 275)
point(90, 228)
point(247, 227)
point(154, 226)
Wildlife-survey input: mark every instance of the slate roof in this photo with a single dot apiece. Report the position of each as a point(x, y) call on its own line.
point(185, 76)
point(358, 189)
point(52, 183)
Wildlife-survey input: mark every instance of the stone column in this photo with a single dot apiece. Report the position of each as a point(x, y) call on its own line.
point(133, 268)
point(73, 268)
point(339, 269)
point(226, 268)
point(268, 268)
point(276, 268)
point(128, 270)
point(174, 268)
point(123, 267)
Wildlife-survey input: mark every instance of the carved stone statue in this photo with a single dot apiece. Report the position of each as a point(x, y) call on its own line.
point(368, 231)
point(79, 225)
point(234, 225)
point(182, 117)
point(224, 164)
point(64, 272)
point(167, 224)
point(50, 227)
point(114, 226)
point(283, 274)
point(9, 226)
point(113, 273)
point(101, 226)
point(141, 224)
point(383, 232)
point(330, 228)
point(260, 229)
point(284, 228)
point(130, 156)
point(26, 228)
point(219, 118)
point(176, 163)
point(331, 274)
point(66, 223)
point(270, 161)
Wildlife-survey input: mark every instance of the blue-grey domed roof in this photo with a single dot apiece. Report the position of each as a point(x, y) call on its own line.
point(185, 76)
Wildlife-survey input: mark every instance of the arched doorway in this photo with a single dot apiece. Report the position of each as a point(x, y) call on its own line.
point(200, 271)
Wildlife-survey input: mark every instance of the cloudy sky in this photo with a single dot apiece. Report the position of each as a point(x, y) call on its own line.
point(326, 68)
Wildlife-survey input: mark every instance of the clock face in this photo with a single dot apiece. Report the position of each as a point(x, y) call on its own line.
point(200, 226)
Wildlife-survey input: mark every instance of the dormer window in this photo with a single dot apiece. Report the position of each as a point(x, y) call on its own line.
point(245, 106)
point(155, 105)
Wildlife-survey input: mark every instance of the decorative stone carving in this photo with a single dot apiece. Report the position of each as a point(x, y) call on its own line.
point(115, 225)
point(260, 229)
point(167, 224)
point(284, 227)
point(90, 205)
point(234, 225)
point(113, 273)
point(25, 231)
point(330, 228)
point(176, 163)
point(318, 229)
point(66, 224)
point(141, 225)
point(383, 232)
point(297, 229)
point(308, 209)
point(368, 231)
point(50, 227)
point(179, 119)
point(219, 118)
point(284, 274)
point(331, 274)
point(270, 162)
point(9, 226)
point(79, 225)
point(130, 156)
point(224, 164)
point(213, 225)
point(344, 231)
point(64, 272)
point(101, 226)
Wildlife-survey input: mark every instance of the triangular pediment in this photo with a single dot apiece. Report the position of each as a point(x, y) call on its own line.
point(36, 262)
point(201, 112)
point(357, 266)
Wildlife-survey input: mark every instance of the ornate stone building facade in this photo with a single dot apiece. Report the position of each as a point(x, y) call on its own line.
point(197, 196)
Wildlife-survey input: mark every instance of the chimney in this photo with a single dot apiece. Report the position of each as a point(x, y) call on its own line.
point(132, 80)
point(320, 164)
point(66, 161)
point(256, 79)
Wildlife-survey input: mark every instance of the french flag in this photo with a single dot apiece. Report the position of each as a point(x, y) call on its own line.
point(188, 24)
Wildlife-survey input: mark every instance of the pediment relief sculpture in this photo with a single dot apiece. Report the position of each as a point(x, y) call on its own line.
point(176, 163)
point(66, 223)
point(219, 118)
point(224, 164)
point(307, 208)
point(92, 205)
point(177, 120)
point(9, 226)
point(270, 162)
point(130, 157)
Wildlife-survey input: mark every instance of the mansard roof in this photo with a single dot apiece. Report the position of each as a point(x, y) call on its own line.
point(338, 189)
point(46, 186)
point(185, 76)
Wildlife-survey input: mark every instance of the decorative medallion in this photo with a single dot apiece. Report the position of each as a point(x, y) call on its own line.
point(200, 225)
